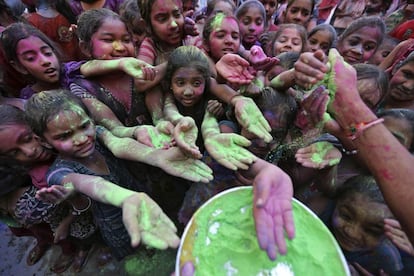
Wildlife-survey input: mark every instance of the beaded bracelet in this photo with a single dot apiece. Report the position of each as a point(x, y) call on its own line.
point(359, 128)
point(77, 212)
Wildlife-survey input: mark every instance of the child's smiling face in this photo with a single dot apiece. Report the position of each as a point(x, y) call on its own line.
point(167, 21)
point(188, 86)
point(224, 39)
point(71, 133)
point(360, 45)
point(358, 222)
point(20, 144)
point(111, 41)
point(288, 41)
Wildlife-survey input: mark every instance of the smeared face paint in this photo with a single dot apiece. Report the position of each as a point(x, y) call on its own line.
point(112, 41)
point(188, 86)
point(358, 223)
point(20, 144)
point(288, 41)
point(167, 21)
point(224, 39)
point(402, 83)
point(71, 133)
point(319, 40)
point(360, 45)
point(38, 59)
point(251, 26)
point(401, 129)
point(299, 12)
point(270, 7)
point(369, 92)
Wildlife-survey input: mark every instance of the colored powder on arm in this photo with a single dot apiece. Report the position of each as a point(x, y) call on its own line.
point(226, 244)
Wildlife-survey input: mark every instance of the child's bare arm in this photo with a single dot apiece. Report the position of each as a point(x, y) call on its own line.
point(284, 80)
point(142, 217)
point(171, 160)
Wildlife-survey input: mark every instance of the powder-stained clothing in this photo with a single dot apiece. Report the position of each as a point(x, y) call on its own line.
point(113, 5)
point(108, 217)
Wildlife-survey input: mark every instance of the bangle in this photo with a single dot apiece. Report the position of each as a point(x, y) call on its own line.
point(358, 129)
point(77, 212)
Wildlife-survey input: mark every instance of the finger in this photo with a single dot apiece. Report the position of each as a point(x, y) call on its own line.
point(261, 192)
point(240, 140)
point(187, 269)
point(153, 240)
point(132, 227)
point(226, 163)
point(288, 221)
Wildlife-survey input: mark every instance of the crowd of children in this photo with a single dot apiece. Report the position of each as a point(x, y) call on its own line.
point(120, 118)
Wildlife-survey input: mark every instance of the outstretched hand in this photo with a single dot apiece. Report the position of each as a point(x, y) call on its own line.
point(138, 69)
point(55, 194)
point(185, 135)
point(318, 155)
point(272, 210)
point(259, 60)
point(228, 150)
point(251, 118)
point(146, 223)
point(152, 137)
point(173, 161)
point(234, 69)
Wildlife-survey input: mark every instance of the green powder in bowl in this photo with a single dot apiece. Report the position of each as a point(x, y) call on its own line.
point(220, 239)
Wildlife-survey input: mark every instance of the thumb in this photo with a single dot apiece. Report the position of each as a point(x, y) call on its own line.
point(261, 192)
point(241, 140)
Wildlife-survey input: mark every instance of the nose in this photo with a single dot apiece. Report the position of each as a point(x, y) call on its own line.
point(29, 150)
point(408, 85)
point(118, 46)
point(80, 139)
point(44, 60)
point(188, 91)
point(174, 24)
point(358, 49)
point(351, 232)
point(228, 39)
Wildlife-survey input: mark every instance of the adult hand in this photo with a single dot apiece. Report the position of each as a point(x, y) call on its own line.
point(318, 155)
point(251, 118)
point(272, 210)
point(146, 223)
point(395, 233)
point(138, 69)
point(234, 69)
point(185, 135)
point(173, 161)
point(259, 60)
point(228, 150)
point(310, 68)
point(55, 194)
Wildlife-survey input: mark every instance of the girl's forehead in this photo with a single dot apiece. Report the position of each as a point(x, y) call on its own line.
point(163, 5)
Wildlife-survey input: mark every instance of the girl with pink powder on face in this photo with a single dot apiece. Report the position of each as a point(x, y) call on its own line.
point(252, 19)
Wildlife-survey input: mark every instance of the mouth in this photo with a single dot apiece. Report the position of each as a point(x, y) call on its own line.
point(51, 72)
point(345, 242)
point(228, 50)
point(86, 148)
point(352, 59)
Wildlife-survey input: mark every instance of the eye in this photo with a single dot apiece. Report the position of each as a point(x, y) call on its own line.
point(85, 125)
point(259, 21)
point(220, 34)
point(179, 82)
point(344, 214)
point(161, 18)
point(127, 40)
point(385, 53)
point(369, 47)
point(29, 58)
point(235, 36)
point(246, 21)
point(197, 83)
point(177, 14)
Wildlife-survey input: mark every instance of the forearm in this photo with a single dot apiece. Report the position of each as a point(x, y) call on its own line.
point(171, 112)
point(284, 80)
point(98, 188)
point(222, 91)
point(101, 113)
point(210, 126)
point(389, 162)
point(100, 67)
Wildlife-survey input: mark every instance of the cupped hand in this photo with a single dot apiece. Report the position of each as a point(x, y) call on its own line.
point(146, 223)
point(251, 118)
point(216, 108)
point(173, 161)
point(259, 60)
point(395, 233)
point(228, 150)
point(190, 27)
point(185, 136)
point(272, 210)
point(152, 137)
point(55, 194)
point(318, 155)
point(234, 69)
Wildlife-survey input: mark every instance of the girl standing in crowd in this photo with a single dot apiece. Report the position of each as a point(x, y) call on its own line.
point(252, 20)
point(322, 37)
point(289, 38)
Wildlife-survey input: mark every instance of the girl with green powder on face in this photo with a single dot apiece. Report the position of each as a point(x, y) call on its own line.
point(88, 167)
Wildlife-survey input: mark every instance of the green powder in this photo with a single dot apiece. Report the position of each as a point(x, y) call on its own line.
point(226, 242)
